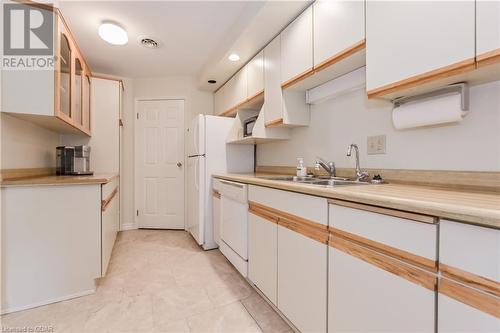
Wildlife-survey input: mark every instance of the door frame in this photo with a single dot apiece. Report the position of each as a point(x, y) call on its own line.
point(136, 143)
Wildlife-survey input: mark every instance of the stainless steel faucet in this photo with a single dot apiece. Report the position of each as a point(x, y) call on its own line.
point(360, 175)
point(328, 166)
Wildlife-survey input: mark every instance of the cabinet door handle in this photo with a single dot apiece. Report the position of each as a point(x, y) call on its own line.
point(232, 184)
point(179, 164)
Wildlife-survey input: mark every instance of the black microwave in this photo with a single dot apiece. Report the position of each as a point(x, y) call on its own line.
point(248, 125)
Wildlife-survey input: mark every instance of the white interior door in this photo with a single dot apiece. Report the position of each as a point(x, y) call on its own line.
point(159, 164)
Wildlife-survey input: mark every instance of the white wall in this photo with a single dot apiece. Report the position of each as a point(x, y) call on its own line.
point(473, 144)
point(26, 145)
point(196, 102)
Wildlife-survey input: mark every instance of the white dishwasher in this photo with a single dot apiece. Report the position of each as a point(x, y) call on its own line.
point(234, 224)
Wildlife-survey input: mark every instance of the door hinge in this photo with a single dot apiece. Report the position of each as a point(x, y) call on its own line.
point(137, 212)
point(120, 122)
point(137, 115)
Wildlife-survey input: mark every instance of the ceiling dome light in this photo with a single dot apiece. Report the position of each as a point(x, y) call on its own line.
point(234, 57)
point(113, 34)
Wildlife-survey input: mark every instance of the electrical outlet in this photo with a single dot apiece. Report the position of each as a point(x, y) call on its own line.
point(376, 145)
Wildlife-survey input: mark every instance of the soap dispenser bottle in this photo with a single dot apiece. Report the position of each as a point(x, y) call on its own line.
point(301, 169)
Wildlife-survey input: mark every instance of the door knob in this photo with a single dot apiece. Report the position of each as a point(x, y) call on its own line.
point(179, 164)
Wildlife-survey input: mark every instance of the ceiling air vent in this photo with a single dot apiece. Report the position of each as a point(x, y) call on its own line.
point(149, 42)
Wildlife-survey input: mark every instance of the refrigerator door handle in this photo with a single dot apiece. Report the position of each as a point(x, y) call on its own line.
point(196, 180)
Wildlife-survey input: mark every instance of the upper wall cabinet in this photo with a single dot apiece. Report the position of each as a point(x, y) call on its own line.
point(59, 97)
point(281, 107)
point(409, 43)
point(338, 43)
point(487, 32)
point(297, 49)
point(339, 28)
point(243, 91)
point(255, 75)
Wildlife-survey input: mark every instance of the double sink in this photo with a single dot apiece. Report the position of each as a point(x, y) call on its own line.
point(318, 181)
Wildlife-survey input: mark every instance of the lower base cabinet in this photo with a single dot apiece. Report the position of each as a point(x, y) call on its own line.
point(455, 316)
point(110, 221)
point(365, 298)
point(262, 255)
point(302, 284)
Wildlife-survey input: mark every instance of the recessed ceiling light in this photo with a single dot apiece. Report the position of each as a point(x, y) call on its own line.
point(234, 57)
point(113, 34)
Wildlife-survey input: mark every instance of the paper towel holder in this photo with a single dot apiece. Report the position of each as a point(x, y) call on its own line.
point(462, 88)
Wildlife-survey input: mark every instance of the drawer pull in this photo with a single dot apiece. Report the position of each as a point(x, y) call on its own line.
point(232, 184)
point(388, 264)
point(105, 203)
point(310, 229)
point(386, 211)
point(470, 279)
point(402, 255)
point(476, 299)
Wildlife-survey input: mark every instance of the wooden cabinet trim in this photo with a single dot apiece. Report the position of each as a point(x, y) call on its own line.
point(274, 123)
point(470, 279)
point(341, 55)
point(476, 299)
point(105, 203)
point(488, 58)
point(440, 73)
point(402, 255)
point(232, 111)
point(216, 194)
point(386, 211)
point(313, 230)
point(297, 78)
point(391, 265)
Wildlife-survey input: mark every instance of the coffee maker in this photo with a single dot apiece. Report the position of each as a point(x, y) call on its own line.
point(73, 160)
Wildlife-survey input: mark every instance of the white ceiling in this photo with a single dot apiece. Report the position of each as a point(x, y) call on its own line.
point(196, 36)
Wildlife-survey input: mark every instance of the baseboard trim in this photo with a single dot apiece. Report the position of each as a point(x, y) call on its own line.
point(54, 300)
point(128, 226)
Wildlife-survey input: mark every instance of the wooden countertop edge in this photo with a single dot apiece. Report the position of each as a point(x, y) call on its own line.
point(59, 180)
point(471, 215)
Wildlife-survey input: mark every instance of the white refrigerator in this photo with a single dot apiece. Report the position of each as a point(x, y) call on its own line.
point(208, 153)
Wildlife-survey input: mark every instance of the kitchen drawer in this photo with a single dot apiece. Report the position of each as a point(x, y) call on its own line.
point(235, 191)
point(469, 248)
point(306, 206)
point(411, 236)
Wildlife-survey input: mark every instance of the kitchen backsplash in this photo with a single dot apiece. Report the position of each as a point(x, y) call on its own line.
point(474, 144)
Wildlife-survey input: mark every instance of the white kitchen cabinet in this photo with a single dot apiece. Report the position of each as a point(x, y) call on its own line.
point(282, 107)
point(297, 48)
point(51, 243)
point(219, 106)
point(375, 281)
point(302, 282)
point(470, 267)
point(302, 259)
point(456, 316)
point(255, 75)
point(263, 254)
point(408, 42)
point(55, 97)
point(365, 298)
point(338, 26)
point(487, 29)
point(110, 222)
point(105, 140)
point(240, 87)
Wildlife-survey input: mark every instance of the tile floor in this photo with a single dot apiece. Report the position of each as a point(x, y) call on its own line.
point(160, 281)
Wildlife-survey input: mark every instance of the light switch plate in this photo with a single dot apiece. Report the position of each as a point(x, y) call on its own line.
point(376, 144)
